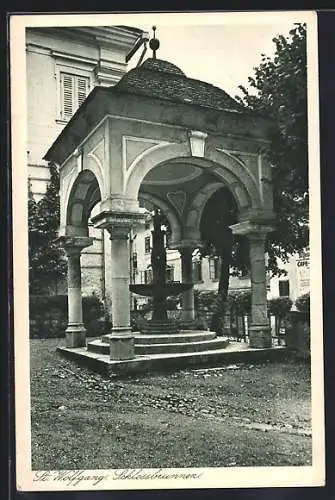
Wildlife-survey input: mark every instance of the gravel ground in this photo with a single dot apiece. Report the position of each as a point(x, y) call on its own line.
point(238, 415)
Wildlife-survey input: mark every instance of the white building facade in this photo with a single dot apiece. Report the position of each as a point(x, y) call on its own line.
point(63, 65)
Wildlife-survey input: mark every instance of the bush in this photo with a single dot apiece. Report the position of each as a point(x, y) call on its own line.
point(303, 303)
point(92, 308)
point(40, 304)
point(137, 320)
point(239, 303)
point(48, 315)
point(204, 299)
point(279, 306)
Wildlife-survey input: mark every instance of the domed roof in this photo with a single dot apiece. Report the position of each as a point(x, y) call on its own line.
point(163, 80)
point(161, 65)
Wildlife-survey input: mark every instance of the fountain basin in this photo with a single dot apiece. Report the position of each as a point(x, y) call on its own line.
point(160, 290)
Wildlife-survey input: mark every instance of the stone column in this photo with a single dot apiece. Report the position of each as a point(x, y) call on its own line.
point(75, 333)
point(118, 224)
point(259, 331)
point(187, 277)
point(121, 340)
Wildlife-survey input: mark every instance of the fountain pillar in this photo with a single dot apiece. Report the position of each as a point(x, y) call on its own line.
point(187, 277)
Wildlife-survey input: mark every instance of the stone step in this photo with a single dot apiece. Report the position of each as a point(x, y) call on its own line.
point(182, 336)
point(100, 347)
point(159, 331)
point(234, 353)
point(205, 345)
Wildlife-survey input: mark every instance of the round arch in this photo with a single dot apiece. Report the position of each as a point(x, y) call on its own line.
point(84, 194)
point(195, 211)
point(149, 160)
point(230, 171)
point(168, 212)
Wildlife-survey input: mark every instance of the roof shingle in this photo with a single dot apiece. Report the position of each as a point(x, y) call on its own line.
point(164, 80)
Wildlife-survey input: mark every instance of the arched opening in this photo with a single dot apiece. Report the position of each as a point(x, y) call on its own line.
point(171, 165)
point(83, 204)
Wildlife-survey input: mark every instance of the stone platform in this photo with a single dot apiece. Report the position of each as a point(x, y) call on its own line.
point(166, 353)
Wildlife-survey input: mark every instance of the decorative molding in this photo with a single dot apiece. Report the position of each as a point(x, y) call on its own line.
point(178, 200)
point(253, 229)
point(97, 155)
point(156, 145)
point(77, 58)
point(123, 118)
point(109, 36)
point(237, 153)
point(241, 162)
point(133, 146)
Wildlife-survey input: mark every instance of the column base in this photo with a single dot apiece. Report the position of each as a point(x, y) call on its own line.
point(75, 335)
point(122, 347)
point(187, 324)
point(260, 336)
point(121, 330)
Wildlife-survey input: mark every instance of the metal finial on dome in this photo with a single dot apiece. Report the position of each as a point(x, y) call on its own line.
point(154, 43)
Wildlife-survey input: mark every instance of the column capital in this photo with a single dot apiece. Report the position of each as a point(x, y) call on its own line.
point(118, 224)
point(186, 244)
point(74, 244)
point(252, 229)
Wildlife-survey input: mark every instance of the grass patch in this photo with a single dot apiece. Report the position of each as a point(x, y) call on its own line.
point(253, 415)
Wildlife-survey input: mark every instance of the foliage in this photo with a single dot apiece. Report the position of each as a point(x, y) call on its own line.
point(46, 260)
point(48, 315)
point(279, 306)
point(204, 299)
point(279, 91)
point(240, 302)
point(302, 303)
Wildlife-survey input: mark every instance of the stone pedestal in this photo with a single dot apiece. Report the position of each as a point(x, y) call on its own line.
point(188, 315)
point(122, 347)
point(75, 334)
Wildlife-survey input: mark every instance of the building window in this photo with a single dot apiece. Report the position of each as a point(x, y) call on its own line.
point(284, 288)
point(74, 90)
point(169, 274)
point(197, 271)
point(268, 282)
point(135, 261)
point(148, 276)
point(214, 269)
point(147, 246)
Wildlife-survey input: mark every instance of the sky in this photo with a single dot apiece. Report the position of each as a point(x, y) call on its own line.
point(223, 55)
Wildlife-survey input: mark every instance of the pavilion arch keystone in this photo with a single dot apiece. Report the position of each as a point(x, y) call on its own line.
point(197, 142)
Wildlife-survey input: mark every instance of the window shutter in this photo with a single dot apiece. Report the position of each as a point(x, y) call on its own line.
point(67, 96)
point(82, 90)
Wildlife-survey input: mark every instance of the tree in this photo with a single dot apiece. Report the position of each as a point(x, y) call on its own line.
point(279, 91)
point(46, 261)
